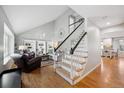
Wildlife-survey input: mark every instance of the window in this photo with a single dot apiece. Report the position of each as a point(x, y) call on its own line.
point(8, 43)
point(121, 43)
point(102, 47)
point(71, 21)
point(107, 43)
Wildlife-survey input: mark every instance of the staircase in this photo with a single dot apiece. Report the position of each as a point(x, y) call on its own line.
point(72, 65)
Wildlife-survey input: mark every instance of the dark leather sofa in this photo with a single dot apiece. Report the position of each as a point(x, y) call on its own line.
point(10, 78)
point(26, 63)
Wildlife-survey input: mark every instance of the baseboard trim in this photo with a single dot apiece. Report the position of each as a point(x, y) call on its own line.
point(79, 79)
point(64, 77)
point(86, 74)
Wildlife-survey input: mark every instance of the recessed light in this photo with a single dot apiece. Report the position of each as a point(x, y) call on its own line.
point(108, 23)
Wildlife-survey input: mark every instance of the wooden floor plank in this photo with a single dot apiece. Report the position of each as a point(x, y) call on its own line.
point(109, 74)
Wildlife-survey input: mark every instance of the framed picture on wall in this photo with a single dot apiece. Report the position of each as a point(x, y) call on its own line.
point(61, 33)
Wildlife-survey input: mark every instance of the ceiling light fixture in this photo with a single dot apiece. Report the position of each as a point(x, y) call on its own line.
point(108, 23)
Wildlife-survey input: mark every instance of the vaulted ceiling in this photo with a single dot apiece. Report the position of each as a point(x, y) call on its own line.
point(26, 17)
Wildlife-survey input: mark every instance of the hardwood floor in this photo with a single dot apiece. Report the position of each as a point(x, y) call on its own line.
point(109, 74)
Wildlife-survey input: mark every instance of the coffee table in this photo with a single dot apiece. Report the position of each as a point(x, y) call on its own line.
point(45, 57)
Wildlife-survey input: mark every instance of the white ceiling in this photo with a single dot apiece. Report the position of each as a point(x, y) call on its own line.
point(99, 10)
point(24, 18)
point(101, 14)
point(106, 22)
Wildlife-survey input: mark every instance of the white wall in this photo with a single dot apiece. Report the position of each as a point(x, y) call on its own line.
point(1, 39)
point(51, 30)
point(62, 25)
point(94, 54)
point(44, 32)
point(115, 44)
point(113, 32)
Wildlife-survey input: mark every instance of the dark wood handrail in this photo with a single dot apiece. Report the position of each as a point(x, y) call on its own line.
point(77, 21)
point(55, 49)
point(73, 49)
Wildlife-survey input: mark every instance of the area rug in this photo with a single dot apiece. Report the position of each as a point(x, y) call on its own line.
point(47, 63)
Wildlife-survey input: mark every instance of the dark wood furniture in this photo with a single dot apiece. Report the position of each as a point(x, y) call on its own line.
point(10, 78)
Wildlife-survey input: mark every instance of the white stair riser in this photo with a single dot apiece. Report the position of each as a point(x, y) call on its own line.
point(69, 70)
point(76, 64)
point(80, 54)
point(75, 58)
point(81, 50)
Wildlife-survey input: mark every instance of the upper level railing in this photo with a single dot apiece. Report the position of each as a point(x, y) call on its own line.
point(81, 21)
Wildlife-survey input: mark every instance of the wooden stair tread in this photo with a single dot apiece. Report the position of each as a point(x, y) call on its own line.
point(76, 52)
point(80, 55)
point(82, 51)
point(73, 67)
point(76, 55)
point(76, 61)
